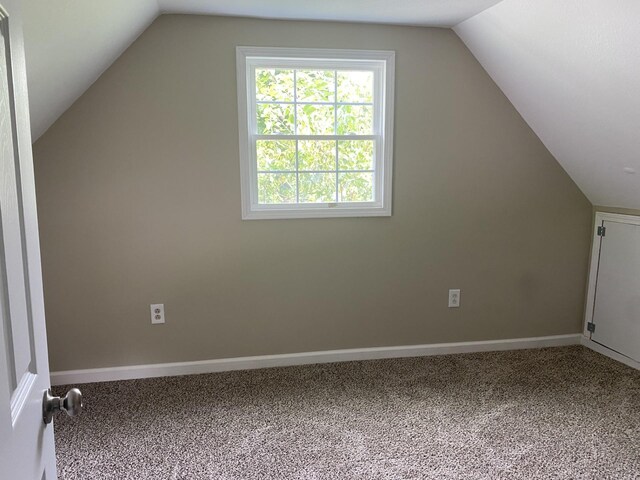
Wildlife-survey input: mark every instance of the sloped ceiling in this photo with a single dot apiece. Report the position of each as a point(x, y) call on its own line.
point(69, 43)
point(572, 69)
point(438, 13)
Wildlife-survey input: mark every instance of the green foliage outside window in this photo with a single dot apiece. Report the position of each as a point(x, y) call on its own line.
point(311, 102)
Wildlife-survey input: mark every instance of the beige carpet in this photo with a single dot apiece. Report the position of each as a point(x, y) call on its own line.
point(565, 413)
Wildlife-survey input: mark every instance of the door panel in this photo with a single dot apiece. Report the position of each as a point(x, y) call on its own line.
point(13, 293)
point(617, 300)
point(26, 449)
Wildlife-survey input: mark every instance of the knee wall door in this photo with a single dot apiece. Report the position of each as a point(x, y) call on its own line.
point(615, 321)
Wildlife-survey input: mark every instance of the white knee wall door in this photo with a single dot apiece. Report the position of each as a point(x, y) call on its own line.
point(613, 302)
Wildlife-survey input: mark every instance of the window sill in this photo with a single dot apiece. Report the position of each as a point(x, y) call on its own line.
point(321, 211)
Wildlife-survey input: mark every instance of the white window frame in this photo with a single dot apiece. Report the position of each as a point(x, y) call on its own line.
point(382, 63)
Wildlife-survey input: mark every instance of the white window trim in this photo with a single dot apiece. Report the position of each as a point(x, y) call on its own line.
point(383, 99)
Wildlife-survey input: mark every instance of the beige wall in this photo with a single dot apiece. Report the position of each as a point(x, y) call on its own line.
point(139, 202)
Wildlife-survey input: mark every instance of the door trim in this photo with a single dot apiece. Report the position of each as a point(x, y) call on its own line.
point(305, 358)
point(595, 261)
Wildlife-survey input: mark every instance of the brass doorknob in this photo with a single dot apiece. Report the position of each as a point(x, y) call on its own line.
point(70, 403)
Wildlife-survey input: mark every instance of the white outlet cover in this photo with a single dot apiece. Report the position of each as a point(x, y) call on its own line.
point(454, 298)
point(157, 312)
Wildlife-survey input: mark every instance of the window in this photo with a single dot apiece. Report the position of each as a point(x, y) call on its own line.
point(316, 130)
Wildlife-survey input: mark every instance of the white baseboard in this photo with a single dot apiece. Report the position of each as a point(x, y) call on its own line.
point(607, 352)
point(289, 359)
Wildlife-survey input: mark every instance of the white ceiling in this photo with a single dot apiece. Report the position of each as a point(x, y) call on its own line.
point(440, 13)
point(69, 43)
point(572, 69)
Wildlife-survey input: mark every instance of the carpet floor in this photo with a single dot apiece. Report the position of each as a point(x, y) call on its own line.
point(565, 413)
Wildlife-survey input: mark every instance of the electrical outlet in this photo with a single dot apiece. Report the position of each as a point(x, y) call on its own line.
point(454, 298)
point(157, 313)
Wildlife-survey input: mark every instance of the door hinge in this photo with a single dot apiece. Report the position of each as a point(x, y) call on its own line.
point(602, 231)
point(591, 327)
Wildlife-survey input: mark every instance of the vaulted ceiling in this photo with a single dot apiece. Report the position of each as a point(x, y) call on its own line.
point(69, 43)
point(572, 70)
point(438, 13)
point(571, 67)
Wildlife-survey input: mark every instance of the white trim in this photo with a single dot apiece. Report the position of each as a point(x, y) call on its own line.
point(595, 260)
point(607, 352)
point(618, 217)
point(381, 63)
point(289, 359)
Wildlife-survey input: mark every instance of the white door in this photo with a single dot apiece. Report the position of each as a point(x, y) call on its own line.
point(26, 443)
point(616, 313)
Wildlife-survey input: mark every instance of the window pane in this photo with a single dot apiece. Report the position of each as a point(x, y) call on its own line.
point(274, 85)
point(316, 119)
point(355, 120)
point(356, 87)
point(355, 154)
point(317, 187)
point(275, 118)
point(276, 154)
point(315, 85)
point(317, 155)
point(356, 187)
point(276, 188)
